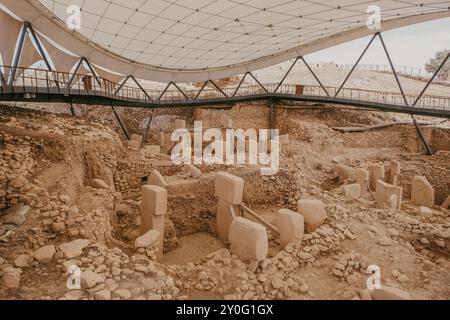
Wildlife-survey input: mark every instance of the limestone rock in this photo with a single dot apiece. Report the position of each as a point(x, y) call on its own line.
point(11, 280)
point(425, 212)
point(148, 240)
point(248, 239)
point(16, 214)
point(352, 191)
point(123, 293)
point(23, 260)
point(422, 192)
point(389, 293)
point(99, 184)
point(313, 211)
point(291, 226)
point(229, 187)
point(104, 294)
point(89, 279)
point(446, 204)
point(74, 249)
point(156, 179)
point(45, 254)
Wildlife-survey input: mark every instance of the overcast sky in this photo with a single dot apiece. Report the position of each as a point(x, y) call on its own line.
point(409, 46)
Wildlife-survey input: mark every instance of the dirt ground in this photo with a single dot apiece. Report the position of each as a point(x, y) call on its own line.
point(70, 194)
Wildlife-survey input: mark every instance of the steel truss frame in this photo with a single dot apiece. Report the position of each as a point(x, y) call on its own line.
point(27, 29)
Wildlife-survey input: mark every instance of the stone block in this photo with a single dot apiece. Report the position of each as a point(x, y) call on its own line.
point(426, 212)
point(152, 150)
point(134, 145)
point(389, 293)
point(229, 188)
point(180, 124)
point(313, 211)
point(362, 178)
point(248, 239)
point(193, 171)
point(291, 226)
point(446, 204)
point(394, 172)
point(376, 172)
point(352, 191)
point(148, 240)
point(153, 203)
point(384, 192)
point(156, 179)
point(343, 172)
point(161, 139)
point(158, 223)
point(422, 192)
point(223, 221)
point(136, 137)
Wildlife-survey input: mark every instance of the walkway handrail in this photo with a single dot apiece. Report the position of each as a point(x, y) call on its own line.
point(31, 81)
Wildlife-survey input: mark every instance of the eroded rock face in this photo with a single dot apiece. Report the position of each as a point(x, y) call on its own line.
point(112, 268)
point(89, 279)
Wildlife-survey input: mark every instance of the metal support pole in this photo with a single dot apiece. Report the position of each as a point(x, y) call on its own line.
point(39, 47)
point(2, 78)
point(259, 83)
point(201, 90)
point(72, 109)
point(121, 85)
point(179, 89)
point(419, 132)
point(121, 124)
point(218, 89)
point(315, 76)
point(240, 84)
point(393, 70)
point(140, 87)
point(271, 119)
point(18, 53)
point(356, 64)
point(431, 80)
point(285, 76)
point(164, 91)
point(422, 137)
point(92, 71)
point(147, 128)
point(75, 72)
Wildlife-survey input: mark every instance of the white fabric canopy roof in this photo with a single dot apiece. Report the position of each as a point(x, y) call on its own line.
point(190, 40)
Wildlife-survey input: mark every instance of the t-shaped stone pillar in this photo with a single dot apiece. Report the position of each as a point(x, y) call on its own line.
point(376, 173)
point(153, 211)
point(394, 172)
point(229, 189)
point(362, 178)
